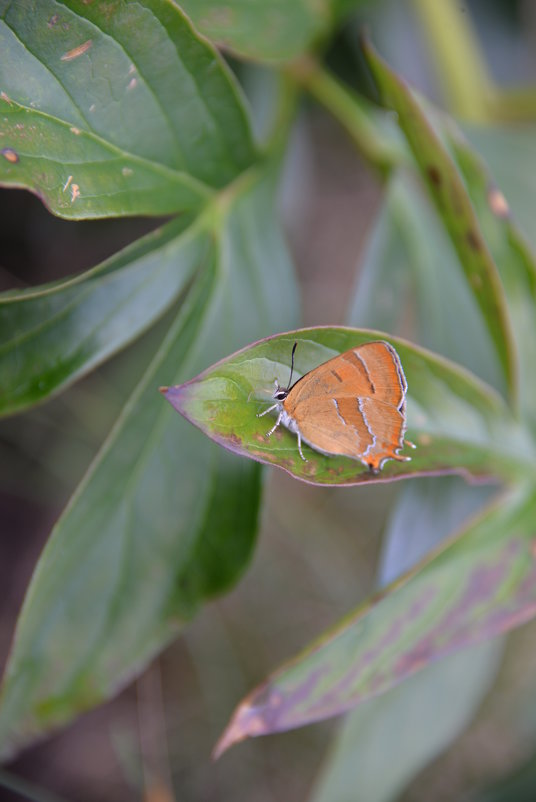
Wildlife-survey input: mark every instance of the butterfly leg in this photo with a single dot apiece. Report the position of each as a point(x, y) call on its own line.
point(276, 424)
point(299, 446)
point(266, 411)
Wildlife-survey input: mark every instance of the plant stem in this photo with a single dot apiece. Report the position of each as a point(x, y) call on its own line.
point(460, 64)
point(371, 129)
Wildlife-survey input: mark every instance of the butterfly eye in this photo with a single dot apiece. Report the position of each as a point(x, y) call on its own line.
point(280, 394)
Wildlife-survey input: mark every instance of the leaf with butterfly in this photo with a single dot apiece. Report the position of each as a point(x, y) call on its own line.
point(457, 423)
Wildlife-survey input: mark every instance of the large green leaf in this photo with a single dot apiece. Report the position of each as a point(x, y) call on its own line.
point(262, 30)
point(53, 334)
point(164, 519)
point(480, 584)
point(457, 423)
point(115, 113)
point(454, 205)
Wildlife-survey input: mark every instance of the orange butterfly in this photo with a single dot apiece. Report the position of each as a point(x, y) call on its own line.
point(353, 405)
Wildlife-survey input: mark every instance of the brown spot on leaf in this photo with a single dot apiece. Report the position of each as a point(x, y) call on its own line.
point(10, 155)
point(53, 21)
point(5, 97)
point(75, 130)
point(434, 175)
point(473, 239)
point(75, 192)
point(77, 51)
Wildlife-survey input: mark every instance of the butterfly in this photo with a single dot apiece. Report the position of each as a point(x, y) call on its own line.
point(353, 405)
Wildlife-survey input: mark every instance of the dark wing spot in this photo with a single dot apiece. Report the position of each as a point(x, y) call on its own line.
point(334, 373)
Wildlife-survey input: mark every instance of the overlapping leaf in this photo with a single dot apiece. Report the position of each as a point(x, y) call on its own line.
point(117, 113)
point(164, 519)
point(480, 584)
point(457, 423)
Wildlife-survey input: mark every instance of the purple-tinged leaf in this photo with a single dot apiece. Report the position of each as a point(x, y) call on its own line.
point(480, 584)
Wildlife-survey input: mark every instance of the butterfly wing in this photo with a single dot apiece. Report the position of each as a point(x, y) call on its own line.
point(353, 405)
point(361, 428)
point(369, 370)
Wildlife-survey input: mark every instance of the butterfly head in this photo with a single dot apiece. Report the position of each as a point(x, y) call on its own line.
point(280, 393)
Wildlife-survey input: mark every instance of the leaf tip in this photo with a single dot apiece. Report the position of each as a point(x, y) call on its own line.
point(175, 396)
point(247, 721)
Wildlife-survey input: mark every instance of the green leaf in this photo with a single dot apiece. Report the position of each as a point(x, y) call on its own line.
point(453, 203)
point(122, 113)
point(262, 30)
point(410, 282)
point(164, 519)
point(482, 583)
point(386, 740)
point(458, 424)
point(517, 266)
point(53, 334)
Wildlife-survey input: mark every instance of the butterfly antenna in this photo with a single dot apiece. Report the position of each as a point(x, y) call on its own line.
point(292, 365)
